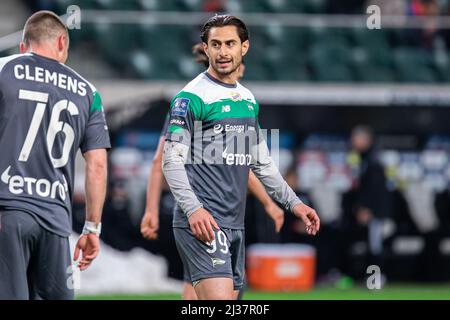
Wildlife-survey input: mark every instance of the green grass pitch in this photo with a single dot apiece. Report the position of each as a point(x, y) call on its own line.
point(390, 292)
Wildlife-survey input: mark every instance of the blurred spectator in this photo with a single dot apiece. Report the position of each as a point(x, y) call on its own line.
point(424, 8)
point(118, 230)
point(216, 6)
point(390, 7)
point(294, 230)
point(367, 204)
point(426, 36)
point(346, 7)
point(442, 205)
point(37, 5)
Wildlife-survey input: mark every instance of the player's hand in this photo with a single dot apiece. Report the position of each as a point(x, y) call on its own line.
point(89, 244)
point(309, 217)
point(150, 225)
point(201, 223)
point(276, 213)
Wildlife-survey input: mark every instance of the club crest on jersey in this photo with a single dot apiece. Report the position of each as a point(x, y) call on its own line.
point(180, 107)
point(226, 108)
point(250, 107)
point(236, 96)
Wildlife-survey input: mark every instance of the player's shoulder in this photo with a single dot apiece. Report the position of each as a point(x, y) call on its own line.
point(191, 95)
point(12, 58)
point(195, 88)
point(75, 74)
point(245, 93)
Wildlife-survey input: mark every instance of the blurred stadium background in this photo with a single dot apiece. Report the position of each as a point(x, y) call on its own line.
point(318, 72)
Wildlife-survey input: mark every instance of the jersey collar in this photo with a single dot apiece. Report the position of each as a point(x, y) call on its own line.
point(226, 85)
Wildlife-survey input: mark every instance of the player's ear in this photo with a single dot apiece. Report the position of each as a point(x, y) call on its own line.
point(205, 48)
point(63, 47)
point(22, 47)
point(61, 43)
point(245, 47)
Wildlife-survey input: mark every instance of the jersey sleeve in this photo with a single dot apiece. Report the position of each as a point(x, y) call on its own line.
point(96, 135)
point(185, 111)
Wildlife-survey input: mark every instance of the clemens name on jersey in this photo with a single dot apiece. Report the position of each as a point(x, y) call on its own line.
point(60, 80)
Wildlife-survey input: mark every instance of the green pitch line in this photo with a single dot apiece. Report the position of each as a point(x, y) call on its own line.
point(390, 292)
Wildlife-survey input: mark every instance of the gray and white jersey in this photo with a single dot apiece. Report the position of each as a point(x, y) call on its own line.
point(217, 124)
point(47, 113)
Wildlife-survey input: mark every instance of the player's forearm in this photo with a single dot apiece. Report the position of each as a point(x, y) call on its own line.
point(95, 185)
point(154, 188)
point(155, 181)
point(174, 158)
point(257, 189)
point(267, 172)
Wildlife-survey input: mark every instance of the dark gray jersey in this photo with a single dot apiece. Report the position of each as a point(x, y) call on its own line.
point(47, 113)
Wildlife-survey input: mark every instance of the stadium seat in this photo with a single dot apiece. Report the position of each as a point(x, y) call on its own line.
point(327, 36)
point(441, 62)
point(142, 64)
point(368, 69)
point(171, 5)
point(330, 62)
point(148, 66)
point(370, 39)
point(62, 5)
point(116, 48)
point(119, 4)
point(313, 6)
point(259, 6)
point(166, 39)
point(413, 65)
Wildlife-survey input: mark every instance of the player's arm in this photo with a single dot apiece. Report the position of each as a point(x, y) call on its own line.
point(184, 111)
point(150, 220)
point(267, 172)
point(271, 208)
point(93, 146)
point(95, 186)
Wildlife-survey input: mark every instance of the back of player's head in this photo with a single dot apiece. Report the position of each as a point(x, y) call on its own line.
point(218, 21)
point(42, 26)
point(199, 55)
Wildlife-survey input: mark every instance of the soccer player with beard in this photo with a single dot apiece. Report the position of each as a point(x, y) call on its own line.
point(150, 220)
point(210, 192)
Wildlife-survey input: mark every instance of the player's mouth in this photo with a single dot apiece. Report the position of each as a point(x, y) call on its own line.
point(223, 63)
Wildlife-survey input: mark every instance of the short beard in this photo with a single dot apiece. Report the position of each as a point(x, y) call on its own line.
point(226, 73)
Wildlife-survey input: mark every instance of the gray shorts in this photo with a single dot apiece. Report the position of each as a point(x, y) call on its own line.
point(33, 261)
point(225, 257)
